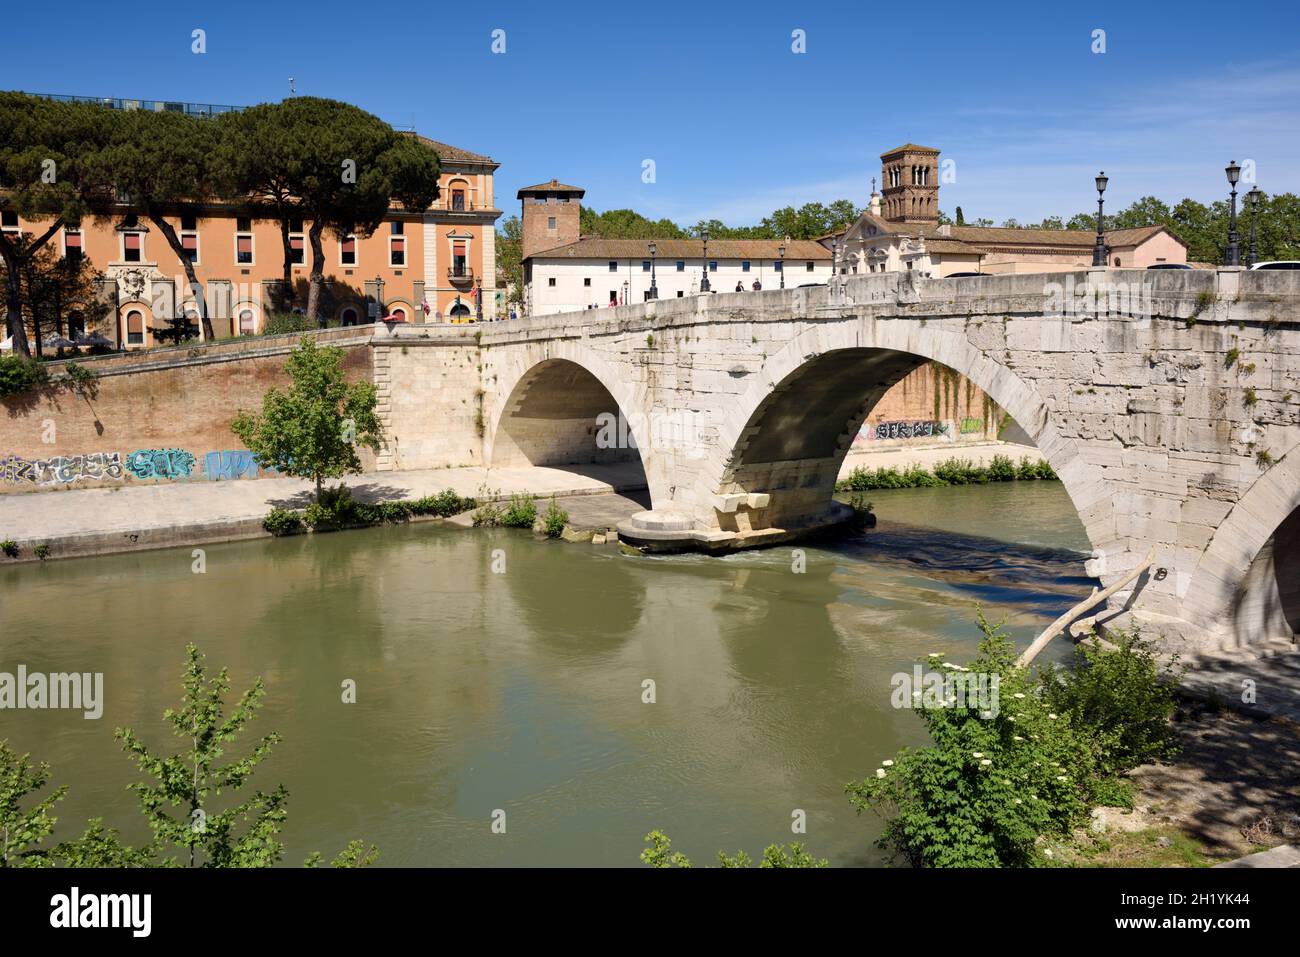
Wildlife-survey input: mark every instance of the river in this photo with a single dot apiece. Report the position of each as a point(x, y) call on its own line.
point(523, 690)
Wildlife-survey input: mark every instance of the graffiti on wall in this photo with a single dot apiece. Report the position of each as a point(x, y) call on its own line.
point(907, 430)
point(61, 469)
point(160, 463)
point(234, 464)
point(170, 464)
point(969, 425)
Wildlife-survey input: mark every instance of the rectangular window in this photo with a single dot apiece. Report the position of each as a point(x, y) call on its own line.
point(808, 267)
point(132, 247)
point(613, 265)
point(713, 265)
point(744, 265)
point(586, 281)
point(397, 228)
point(189, 222)
point(550, 222)
point(297, 249)
point(458, 200)
point(550, 281)
point(777, 265)
point(397, 250)
point(243, 224)
point(679, 294)
point(72, 244)
point(645, 265)
point(135, 328)
point(9, 219)
point(459, 260)
point(681, 265)
point(295, 226)
point(190, 245)
point(348, 251)
point(244, 249)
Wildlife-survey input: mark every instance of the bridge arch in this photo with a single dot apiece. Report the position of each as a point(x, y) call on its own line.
point(1248, 576)
point(809, 399)
point(554, 399)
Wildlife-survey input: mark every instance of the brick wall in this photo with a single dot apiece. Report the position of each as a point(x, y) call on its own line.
point(933, 404)
point(154, 417)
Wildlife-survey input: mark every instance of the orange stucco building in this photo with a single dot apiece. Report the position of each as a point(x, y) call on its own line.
point(432, 265)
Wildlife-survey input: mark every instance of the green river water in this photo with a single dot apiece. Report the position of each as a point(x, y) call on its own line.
point(522, 691)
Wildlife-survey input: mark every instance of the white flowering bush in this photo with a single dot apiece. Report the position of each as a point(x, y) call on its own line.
point(989, 786)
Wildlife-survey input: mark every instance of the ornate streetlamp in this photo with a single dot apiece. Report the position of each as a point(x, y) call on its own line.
point(704, 283)
point(780, 251)
point(1253, 196)
point(1099, 250)
point(654, 290)
point(835, 255)
point(1232, 255)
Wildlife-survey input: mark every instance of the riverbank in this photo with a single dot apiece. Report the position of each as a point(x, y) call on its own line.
point(102, 521)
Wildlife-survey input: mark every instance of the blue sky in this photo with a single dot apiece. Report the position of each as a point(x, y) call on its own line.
point(736, 123)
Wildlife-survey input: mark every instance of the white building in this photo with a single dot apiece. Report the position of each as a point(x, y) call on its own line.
point(594, 272)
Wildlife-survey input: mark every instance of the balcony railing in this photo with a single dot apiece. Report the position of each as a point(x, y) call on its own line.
point(460, 273)
point(158, 106)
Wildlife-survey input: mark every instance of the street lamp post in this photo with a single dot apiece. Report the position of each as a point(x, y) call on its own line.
point(654, 289)
point(1253, 196)
point(704, 283)
point(780, 251)
point(835, 256)
point(1233, 253)
point(1099, 250)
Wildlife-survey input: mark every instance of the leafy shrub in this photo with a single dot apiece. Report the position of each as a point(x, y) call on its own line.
point(520, 512)
point(956, 471)
point(1045, 471)
point(1001, 469)
point(18, 375)
point(862, 510)
point(9, 547)
point(443, 504)
point(660, 854)
point(1027, 469)
point(990, 785)
point(335, 508)
point(282, 322)
point(282, 521)
point(487, 515)
point(554, 520)
point(80, 378)
point(42, 551)
point(1122, 699)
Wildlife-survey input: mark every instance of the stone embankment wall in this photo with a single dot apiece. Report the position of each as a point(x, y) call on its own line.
point(154, 417)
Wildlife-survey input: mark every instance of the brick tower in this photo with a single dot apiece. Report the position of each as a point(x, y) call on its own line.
point(550, 216)
point(911, 191)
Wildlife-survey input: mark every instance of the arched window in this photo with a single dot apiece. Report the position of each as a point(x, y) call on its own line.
point(398, 315)
point(76, 325)
point(135, 328)
point(348, 316)
point(459, 310)
point(247, 322)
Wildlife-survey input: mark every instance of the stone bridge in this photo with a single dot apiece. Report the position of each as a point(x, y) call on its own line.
point(1168, 402)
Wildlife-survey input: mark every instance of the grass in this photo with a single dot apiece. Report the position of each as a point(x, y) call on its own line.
point(1163, 846)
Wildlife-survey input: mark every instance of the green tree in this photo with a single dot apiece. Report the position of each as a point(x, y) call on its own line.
point(347, 169)
point(626, 224)
point(189, 780)
point(312, 430)
point(54, 287)
point(263, 157)
point(158, 162)
point(47, 151)
point(510, 269)
point(23, 829)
